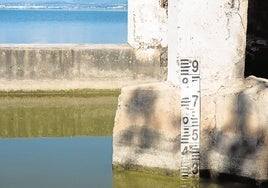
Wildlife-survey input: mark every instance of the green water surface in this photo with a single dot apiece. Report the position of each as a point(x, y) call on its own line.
point(57, 114)
point(63, 139)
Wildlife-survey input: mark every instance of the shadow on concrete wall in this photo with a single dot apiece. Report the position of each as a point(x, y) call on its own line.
point(238, 143)
point(143, 135)
point(141, 106)
point(146, 138)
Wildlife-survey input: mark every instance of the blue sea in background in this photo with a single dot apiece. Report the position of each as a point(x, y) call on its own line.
point(63, 26)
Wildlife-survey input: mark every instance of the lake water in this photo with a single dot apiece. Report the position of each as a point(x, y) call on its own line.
point(63, 26)
point(56, 162)
point(64, 139)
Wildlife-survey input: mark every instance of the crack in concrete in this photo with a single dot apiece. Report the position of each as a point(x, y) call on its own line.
point(233, 7)
point(228, 15)
point(237, 9)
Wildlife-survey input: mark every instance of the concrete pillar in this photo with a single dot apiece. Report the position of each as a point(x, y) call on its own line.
point(214, 32)
point(147, 24)
point(173, 42)
point(233, 112)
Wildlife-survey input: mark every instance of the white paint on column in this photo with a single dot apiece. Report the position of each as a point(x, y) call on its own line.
point(147, 24)
point(213, 31)
point(173, 68)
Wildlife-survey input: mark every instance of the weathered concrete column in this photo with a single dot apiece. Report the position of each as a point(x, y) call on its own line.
point(147, 30)
point(173, 42)
point(214, 32)
point(234, 111)
point(147, 23)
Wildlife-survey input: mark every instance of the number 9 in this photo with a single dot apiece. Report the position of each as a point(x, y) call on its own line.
point(195, 66)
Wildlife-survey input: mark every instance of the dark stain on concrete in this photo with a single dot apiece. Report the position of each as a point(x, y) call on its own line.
point(141, 137)
point(9, 65)
point(127, 137)
point(177, 144)
point(61, 64)
point(236, 148)
point(142, 103)
point(19, 56)
point(32, 63)
point(114, 62)
point(73, 57)
point(148, 138)
point(43, 54)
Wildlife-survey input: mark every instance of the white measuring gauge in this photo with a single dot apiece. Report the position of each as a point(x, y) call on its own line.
point(190, 117)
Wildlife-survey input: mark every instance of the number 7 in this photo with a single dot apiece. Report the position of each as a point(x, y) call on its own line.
point(195, 100)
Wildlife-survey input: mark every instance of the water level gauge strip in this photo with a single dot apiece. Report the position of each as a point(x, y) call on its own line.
point(190, 116)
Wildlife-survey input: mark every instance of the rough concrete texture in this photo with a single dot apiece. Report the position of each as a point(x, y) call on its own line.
point(215, 33)
point(79, 64)
point(234, 132)
point(147, 126)
point(147, 23)
point(238, 143)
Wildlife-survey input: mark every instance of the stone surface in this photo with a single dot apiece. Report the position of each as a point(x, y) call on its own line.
point(215, 33)
point(234, 132)
point(147, 24)
point(76, 66)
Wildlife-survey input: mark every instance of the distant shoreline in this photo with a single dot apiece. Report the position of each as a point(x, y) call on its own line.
point(64, 7)
point(69, 9)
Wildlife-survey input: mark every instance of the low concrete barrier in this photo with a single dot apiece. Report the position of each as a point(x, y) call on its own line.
point(93, 64)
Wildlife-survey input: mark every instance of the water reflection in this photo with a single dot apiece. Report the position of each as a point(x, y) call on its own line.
point(56, 116)
point(29, 160)
point(131, 179)
point(75, 162)
point(56, 163)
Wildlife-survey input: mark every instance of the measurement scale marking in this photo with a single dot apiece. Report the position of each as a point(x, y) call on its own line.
point(185, 59)
point(185, 67)
point(190, 121)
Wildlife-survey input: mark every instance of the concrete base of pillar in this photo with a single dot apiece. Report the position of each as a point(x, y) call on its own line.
point(234, 129)
point(146, 131)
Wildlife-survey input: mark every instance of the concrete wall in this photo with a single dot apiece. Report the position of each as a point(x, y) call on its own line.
point(89, 63)
point(147, 23)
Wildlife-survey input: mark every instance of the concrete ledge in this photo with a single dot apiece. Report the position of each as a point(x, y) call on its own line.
point(65, 66)
point(66, 84)
point(234, 132)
